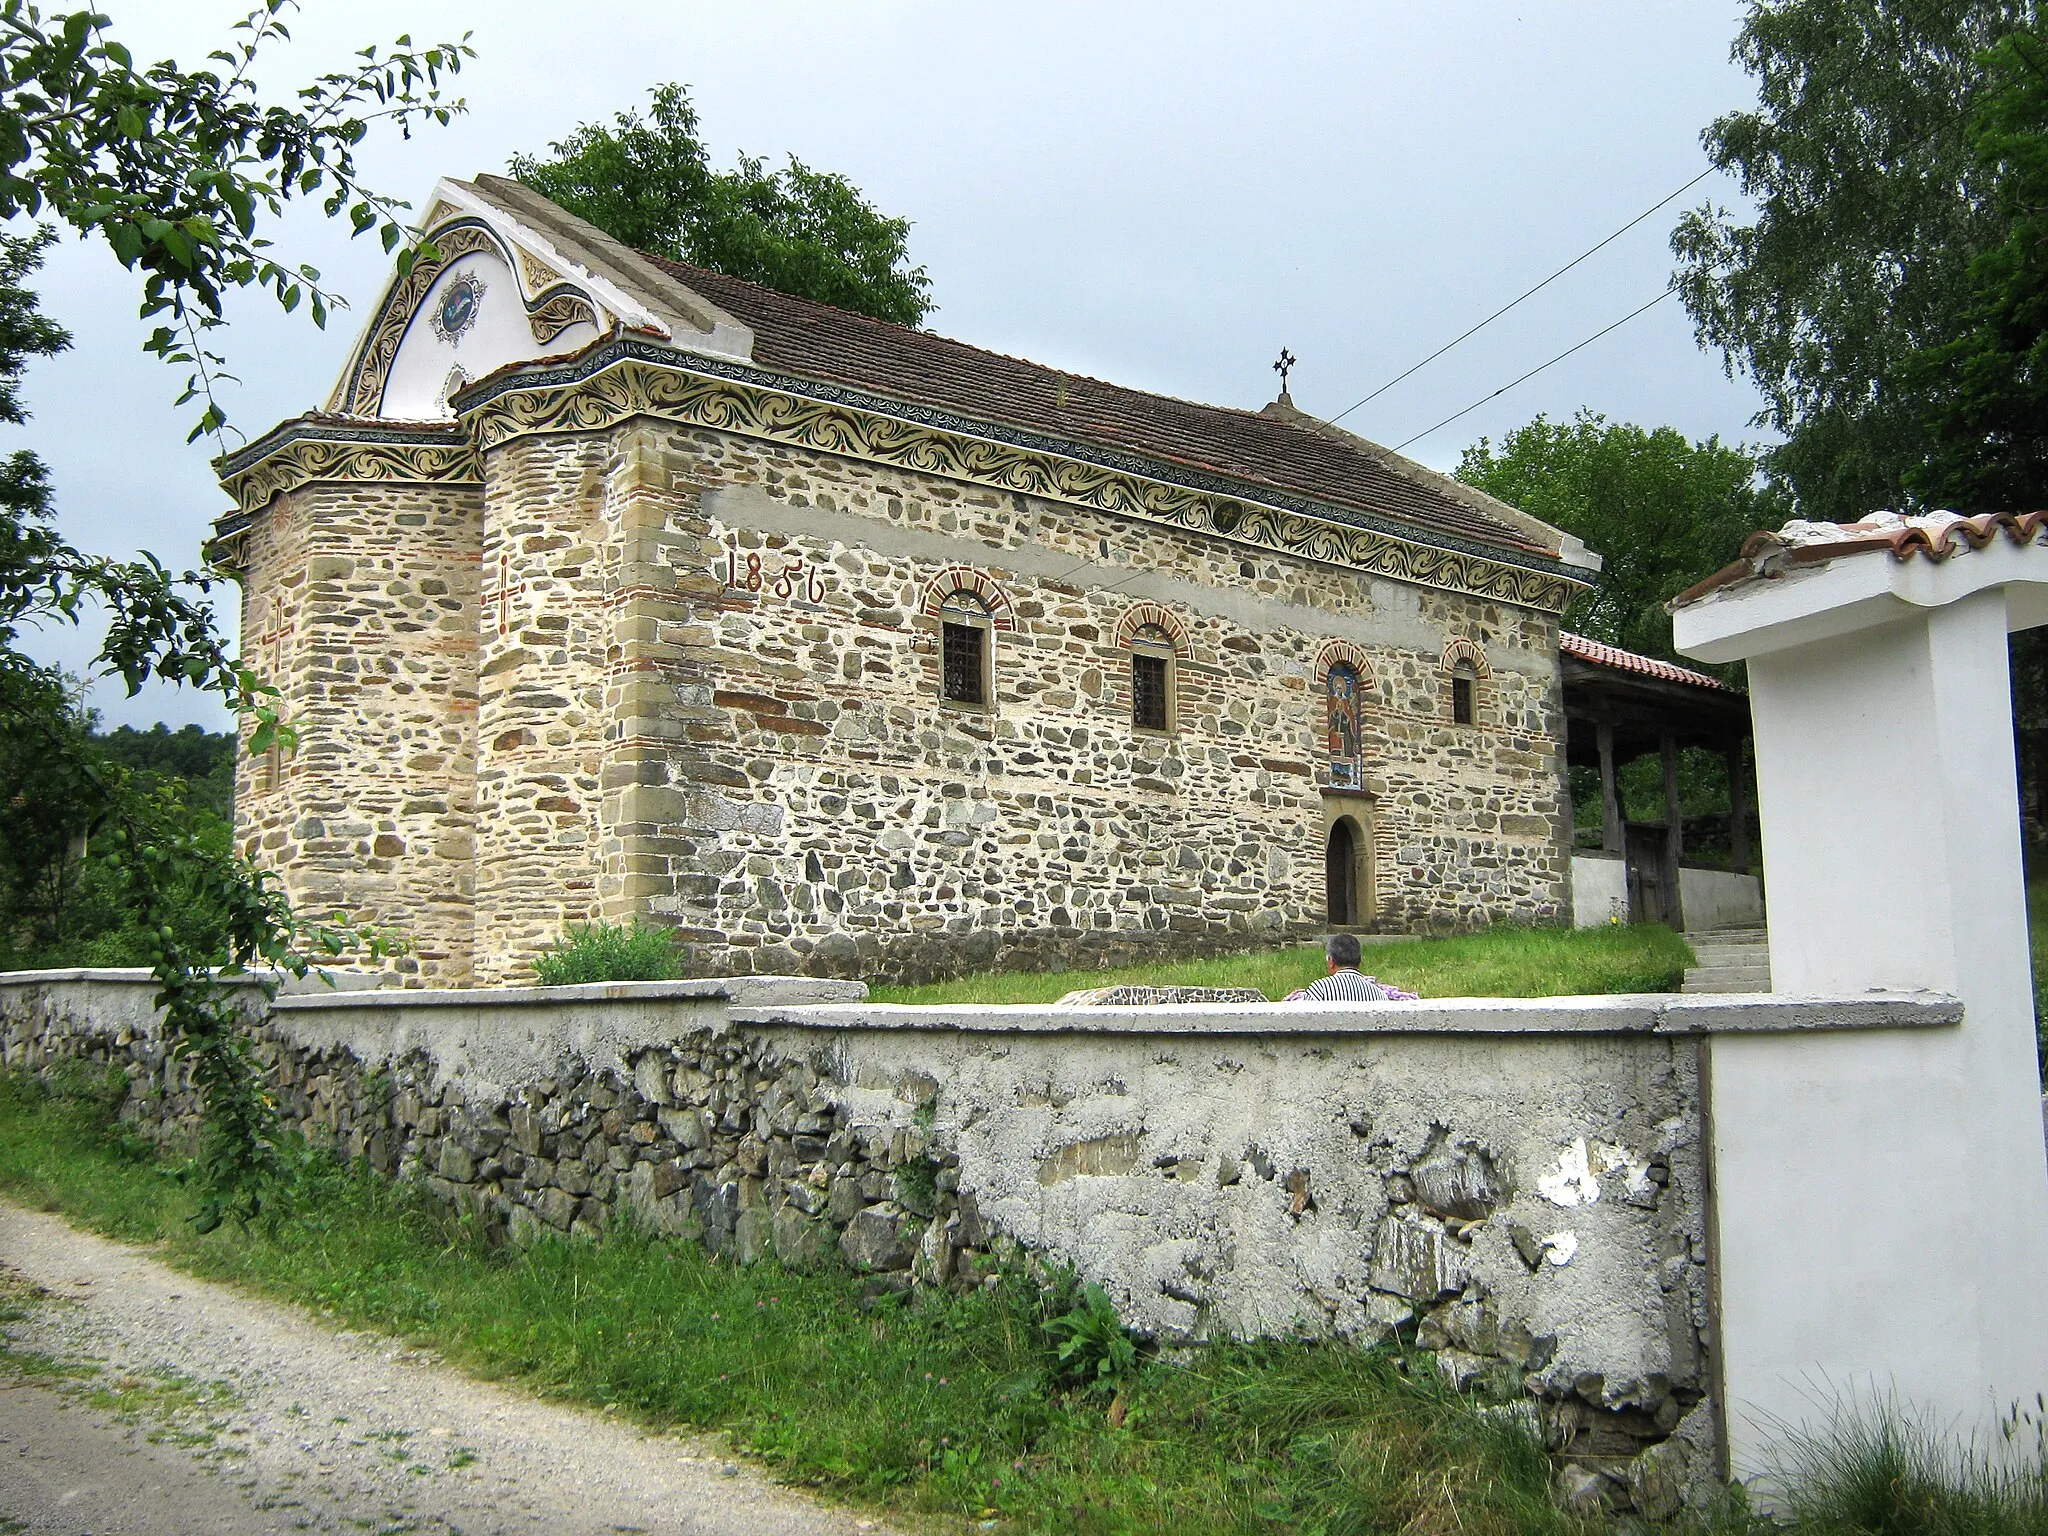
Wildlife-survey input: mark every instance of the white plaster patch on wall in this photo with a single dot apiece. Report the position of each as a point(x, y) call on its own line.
point(1572, 1183)
point(1635, 1172)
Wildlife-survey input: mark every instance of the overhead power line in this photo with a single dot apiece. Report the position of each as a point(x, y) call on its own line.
point(1567, 352)
point(1591, 250)
point(1919, 139)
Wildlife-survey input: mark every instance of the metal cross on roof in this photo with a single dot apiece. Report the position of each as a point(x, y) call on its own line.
point(1287, 361)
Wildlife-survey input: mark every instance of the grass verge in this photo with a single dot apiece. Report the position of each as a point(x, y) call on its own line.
point(2037, 943)
point(953, 1406)
point(1877, 1469)
point(1503, 962)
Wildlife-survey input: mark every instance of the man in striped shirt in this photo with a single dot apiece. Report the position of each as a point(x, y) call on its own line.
point(1344, 984)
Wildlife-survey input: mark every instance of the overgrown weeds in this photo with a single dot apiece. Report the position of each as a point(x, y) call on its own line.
point(591, 952)
point(1876, 1469)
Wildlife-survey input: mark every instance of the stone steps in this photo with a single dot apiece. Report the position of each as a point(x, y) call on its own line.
point(1729, 960)
point(1731, 954)
point(1727, 978)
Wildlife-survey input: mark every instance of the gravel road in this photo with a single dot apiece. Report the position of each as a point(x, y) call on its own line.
point(134, 1398)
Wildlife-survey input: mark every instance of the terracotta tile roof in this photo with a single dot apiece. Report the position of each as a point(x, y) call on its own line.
point(817, 341)
point(1604, 655)
point(1933, 536)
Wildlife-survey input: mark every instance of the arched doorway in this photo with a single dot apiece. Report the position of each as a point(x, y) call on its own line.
point(1340, 873)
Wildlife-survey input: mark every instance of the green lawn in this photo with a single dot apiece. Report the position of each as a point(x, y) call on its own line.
point(1505, 962)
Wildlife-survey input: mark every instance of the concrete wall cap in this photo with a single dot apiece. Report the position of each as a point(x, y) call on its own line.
point(754, 991)
point(134, 975)
point(841, 1005)
point(1633, 1014)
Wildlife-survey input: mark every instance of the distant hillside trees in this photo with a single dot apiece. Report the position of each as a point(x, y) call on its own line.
point(200, 762)
point(60, 902)
point(648, 183)
point(1662, 511)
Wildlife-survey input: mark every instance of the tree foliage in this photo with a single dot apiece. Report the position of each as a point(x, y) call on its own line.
point(1869, 208)
point(179, 172)
point(195, 911)
point(648, 183)
point(1983, 393)
point(1890, 295)
point(59, 905)
point(1663, 512)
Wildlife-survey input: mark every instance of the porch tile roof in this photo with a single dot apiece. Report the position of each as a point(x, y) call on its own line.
point(1601, 654)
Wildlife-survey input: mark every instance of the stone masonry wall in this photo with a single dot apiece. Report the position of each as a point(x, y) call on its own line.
point(693, 676)
point(550, 556)
point(360, 604)
point(1527, 1201)
point(787, 789)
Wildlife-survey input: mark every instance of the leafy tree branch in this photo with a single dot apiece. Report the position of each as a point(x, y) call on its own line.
point(1869, 207)
point(180, 173)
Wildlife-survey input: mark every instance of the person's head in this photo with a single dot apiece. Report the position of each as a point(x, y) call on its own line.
point(1343, 951)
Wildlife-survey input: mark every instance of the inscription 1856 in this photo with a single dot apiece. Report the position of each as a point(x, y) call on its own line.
point(791, 578)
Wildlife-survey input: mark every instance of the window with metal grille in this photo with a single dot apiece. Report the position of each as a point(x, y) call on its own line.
point(1148, 692)
point(963, 659)
point(1463, 688)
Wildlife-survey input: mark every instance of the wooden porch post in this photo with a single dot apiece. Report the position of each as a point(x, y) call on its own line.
point(1610, 801)
point(1738, 812)
point(1674, 829)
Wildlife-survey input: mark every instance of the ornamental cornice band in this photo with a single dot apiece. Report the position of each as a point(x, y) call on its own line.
point(615, 381)
point(304, 451)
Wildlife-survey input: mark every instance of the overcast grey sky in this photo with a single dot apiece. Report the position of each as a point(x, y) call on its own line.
point(1158, 194)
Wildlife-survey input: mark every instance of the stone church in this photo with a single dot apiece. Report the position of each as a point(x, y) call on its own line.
point(603, 586)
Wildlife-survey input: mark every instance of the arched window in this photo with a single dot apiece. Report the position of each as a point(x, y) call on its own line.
point(1152, 679)
point(1346, 740)
point(966, 651)
point(1465, 673)
point(1464, 694)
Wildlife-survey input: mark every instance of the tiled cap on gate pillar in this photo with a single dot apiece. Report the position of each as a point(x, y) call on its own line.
point(1811, 581)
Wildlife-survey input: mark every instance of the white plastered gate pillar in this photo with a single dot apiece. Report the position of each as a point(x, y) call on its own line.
point(1881, 1199)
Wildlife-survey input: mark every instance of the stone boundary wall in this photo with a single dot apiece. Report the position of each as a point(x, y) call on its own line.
point(1519, 1186)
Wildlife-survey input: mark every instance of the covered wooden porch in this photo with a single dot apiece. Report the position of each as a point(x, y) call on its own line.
point(1620, 706)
